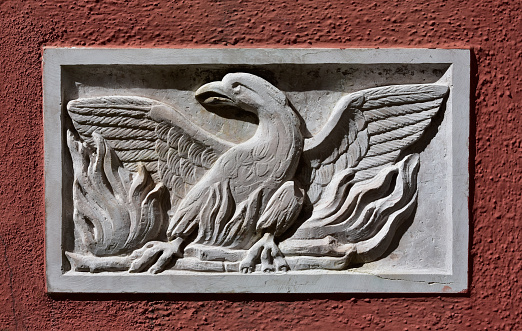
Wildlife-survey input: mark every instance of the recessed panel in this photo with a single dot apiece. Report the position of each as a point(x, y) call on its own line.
point(244, 170)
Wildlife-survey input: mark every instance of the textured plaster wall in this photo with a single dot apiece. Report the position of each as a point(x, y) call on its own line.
point(491, 28)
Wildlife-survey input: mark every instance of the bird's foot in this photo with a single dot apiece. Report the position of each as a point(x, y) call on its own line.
point(266, 252)
point(155, 256)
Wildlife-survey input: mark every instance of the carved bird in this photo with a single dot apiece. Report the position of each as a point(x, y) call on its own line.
point(247, 196)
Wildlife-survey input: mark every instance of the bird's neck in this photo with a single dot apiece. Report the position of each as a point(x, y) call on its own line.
point(278, 138)
point(282, 125)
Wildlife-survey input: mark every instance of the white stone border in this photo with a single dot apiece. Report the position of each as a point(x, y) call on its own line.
point(292, 282)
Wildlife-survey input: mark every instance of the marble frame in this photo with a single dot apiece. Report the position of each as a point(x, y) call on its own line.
point(453, 278)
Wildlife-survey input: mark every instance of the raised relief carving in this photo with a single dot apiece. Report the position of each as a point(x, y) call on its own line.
point(154, 191)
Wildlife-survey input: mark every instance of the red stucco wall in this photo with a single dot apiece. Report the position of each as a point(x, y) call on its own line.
point(492, 28)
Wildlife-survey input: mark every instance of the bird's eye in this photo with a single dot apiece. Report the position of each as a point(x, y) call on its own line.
point(236, 88)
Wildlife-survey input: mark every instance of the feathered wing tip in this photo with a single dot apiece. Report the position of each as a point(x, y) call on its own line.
point(145, 131)
point(115, 210)
point(365, 217)
point(366, 132)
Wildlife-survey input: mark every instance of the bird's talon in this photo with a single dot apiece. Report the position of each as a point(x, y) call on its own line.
point(280, 263)
point(133, 267)
point(154, 256)
point(284, 268)
point(266, 253)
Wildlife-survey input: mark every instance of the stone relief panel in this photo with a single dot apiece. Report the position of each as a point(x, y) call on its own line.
point(281, 170)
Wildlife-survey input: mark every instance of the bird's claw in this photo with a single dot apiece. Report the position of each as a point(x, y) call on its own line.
point(280, 264)
point(284, 269)
point(155, 256)
point(268, 254)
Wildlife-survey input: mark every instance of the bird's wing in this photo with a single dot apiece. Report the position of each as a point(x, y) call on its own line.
point(172, 148)
point(185, 151)
point(125, 124)
point(366, 131)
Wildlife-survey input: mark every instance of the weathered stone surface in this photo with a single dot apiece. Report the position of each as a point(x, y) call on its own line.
point(334, 160)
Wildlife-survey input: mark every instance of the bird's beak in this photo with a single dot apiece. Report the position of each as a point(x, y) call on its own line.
point(213, 94)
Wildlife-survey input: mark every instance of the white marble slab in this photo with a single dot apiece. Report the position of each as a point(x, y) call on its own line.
point(430, 255)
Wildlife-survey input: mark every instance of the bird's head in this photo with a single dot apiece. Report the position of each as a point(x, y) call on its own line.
point(244, 91)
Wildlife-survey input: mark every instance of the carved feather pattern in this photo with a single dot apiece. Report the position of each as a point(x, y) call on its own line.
point(122, 121)
point(366, 132)
point(138, 129)
point(182, 160)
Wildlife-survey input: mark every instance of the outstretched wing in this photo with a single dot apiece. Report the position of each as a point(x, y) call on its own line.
point(125, 124)
point(170, 146)
point(185, 151)
point(366, 132)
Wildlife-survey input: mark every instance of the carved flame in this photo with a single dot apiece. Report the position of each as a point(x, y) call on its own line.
point(363, 217)
point(115, 210)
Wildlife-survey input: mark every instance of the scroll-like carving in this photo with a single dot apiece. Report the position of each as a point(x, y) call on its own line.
point(275, 202)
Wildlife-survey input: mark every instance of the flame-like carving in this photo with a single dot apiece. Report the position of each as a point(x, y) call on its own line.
point(360, 218)
point(115, 209)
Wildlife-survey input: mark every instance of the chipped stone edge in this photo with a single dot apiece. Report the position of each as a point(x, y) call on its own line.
point(453, 280)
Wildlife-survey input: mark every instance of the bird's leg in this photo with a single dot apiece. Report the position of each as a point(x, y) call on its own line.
point(282, 210)
point(265, 250)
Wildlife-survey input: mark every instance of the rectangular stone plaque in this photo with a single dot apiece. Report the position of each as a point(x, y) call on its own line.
point(256, 170)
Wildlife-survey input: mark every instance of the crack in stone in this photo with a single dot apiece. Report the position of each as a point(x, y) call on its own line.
point(406, 280)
